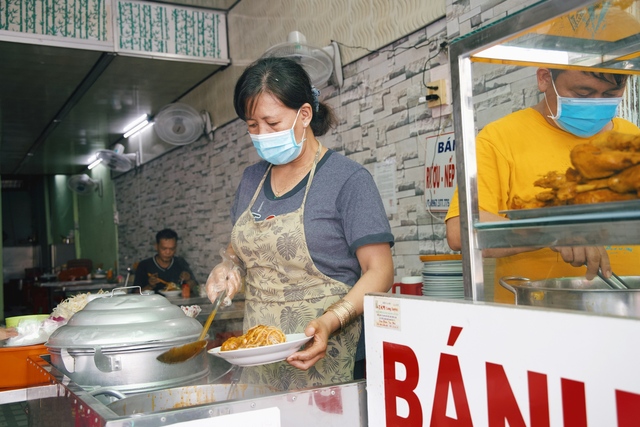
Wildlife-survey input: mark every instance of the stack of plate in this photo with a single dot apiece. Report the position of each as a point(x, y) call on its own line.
point(442, 276)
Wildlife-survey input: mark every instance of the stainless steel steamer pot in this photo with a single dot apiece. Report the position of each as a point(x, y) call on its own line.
point(114, 341)
point(577, 293)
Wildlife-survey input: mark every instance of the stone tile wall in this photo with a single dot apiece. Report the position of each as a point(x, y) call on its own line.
point(191, 188)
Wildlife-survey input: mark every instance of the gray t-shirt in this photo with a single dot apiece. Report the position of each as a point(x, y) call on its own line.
point(343, 212)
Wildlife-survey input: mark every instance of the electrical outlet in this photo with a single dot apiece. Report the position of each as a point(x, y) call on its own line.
point(441, 92)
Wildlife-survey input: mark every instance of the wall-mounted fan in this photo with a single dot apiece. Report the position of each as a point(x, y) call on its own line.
point(84, 185)
point(181, 124)
point(116, 160)
point(320, 63)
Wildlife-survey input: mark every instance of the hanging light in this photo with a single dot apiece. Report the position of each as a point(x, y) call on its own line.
point(135, 123)
point(138, 129)
point(136, 126)
point(94, 161)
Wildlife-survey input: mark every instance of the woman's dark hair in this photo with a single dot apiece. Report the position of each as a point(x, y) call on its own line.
point(618, 79)
point(287, 81)
point(166, 234)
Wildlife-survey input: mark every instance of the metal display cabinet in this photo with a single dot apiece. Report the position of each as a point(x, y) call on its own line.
point(59, 402)
point(527, 39)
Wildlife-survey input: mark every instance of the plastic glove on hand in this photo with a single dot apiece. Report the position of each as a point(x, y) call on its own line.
point(226, 275)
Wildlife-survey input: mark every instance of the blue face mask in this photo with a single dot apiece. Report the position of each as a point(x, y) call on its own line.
point(583, 117)
point(278, 148)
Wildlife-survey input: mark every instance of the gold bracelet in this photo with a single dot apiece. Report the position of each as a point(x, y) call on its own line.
point(344, 311)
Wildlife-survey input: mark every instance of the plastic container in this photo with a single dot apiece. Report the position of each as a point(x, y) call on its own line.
point(12, 322)
point(13, 366)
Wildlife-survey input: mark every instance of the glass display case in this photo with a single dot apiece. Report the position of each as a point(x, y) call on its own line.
point(583, 35)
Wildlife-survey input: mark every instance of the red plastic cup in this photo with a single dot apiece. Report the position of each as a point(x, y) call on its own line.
point(408, 286)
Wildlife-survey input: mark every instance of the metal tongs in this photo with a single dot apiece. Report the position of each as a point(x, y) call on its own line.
point(614, 282)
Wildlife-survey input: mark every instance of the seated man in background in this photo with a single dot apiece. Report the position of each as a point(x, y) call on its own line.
point(164, 267)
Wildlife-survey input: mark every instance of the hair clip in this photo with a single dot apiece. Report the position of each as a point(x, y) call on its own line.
point(316, 95)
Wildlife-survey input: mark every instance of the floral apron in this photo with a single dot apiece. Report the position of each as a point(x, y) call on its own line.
point(285, 289)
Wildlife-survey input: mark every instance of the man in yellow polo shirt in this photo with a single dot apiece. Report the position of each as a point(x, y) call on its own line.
point(518, 149)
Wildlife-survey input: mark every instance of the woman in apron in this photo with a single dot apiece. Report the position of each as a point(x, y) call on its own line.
point(310, 233)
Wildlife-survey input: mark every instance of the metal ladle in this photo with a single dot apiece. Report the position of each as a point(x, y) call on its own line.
point(187, 351)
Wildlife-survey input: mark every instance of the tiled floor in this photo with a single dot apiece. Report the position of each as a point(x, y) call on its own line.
point(13, 415)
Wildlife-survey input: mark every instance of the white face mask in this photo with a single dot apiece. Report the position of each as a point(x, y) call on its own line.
point(278, 148)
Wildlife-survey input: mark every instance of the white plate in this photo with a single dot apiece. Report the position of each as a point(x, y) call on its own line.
point(263, 355)
point(451, 279)
point(443, 287)
point(171, 294)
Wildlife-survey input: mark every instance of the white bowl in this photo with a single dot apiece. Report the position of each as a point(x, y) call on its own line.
point(171, 294)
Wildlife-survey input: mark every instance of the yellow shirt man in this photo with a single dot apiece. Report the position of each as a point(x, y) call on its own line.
point(518, 149)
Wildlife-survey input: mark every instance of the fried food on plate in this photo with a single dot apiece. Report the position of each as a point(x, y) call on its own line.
point(258, 336)
point(626, 181)
point(599, 196)
point(593, 162)
point(520, 203)
point(171, 287)
point(607, 169)
point(616, 141)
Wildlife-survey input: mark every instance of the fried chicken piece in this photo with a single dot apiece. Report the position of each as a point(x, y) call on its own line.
point(556, 180)
point(519, 203)
point(553, 179)
point(543, 199)
point(546, 196)
point(600, 196)
point(573, 175)
point(571, 189)
point(593, 162)
point(626, 181)
point(612, 140)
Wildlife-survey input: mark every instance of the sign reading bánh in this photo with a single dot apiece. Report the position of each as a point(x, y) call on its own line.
point(440, 171)
point(464, 364)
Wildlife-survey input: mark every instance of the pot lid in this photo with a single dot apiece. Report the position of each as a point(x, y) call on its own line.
point(127, 319)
